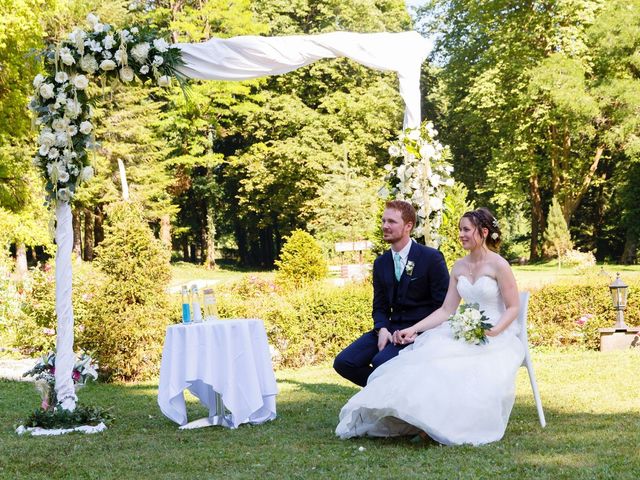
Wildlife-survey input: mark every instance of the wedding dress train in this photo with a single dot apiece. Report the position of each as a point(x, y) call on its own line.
point(455, 392)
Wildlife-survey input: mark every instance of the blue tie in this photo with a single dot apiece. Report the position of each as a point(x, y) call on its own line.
point(397, 261)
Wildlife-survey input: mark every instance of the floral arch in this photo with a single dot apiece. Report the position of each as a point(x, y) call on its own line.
point(63, 115)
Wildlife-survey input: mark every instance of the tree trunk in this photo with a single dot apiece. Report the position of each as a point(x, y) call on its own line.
point(210, 261)
point(89, 223)
point(185, 249)
point(165, 231)
point(77, 237)
point(98, 229)
point(630, 252)
point(537, 218)
point(21, 261)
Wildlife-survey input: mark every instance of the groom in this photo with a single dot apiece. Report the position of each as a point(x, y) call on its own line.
point(409, 282)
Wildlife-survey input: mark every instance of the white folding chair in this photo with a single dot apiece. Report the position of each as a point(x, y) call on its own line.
point(522, 334)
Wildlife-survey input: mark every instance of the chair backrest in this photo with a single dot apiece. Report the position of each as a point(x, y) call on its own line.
point(522, 318)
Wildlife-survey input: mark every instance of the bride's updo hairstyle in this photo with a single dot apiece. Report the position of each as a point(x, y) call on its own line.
point(483, 218)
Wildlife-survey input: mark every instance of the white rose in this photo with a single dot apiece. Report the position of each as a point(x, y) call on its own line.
point(72, 130)
point(88, 63)
point(64, 195)
point(435, 203)
point(435, 180)
point(77, 37)
point(64, 177)
point(125, 36)
point(73, 108)
point(85, 127)
point(59, 124)
point(86, 174)
point(62, 139)
point(92, 19)
point(394, 151)
point(37, 81)
point(47, 139)
point(144, 69)
point(118, 56)
point(53, 153)
point(414, 134)
point(98, 28)
point(80, 82)
point(126, 74)
point(107, 65)
point(66, 56)
point(449, 182)
point(427, 151)
point(164, 81)
point(44, 150)
point(46, 90)
point(94, 45)
point(109, 42)
point(107, 55)
point(140, 51)
point(157, 61)
point(61, 77)
point(161, 45)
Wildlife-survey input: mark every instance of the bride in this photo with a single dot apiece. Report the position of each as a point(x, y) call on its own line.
point(455, 392)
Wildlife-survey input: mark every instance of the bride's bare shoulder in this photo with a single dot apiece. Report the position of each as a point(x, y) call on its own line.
point(459, 267)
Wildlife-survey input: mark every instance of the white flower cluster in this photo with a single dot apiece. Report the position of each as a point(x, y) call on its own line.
point(61, 102)
point(421, 176)
point(469, 324)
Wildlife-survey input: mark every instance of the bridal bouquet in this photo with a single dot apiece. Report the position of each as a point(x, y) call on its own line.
point(44, 374)
point(469, 324)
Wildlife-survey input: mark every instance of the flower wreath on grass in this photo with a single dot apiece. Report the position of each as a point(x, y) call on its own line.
point(48, 416)
point(419, 173)
point(62, 106)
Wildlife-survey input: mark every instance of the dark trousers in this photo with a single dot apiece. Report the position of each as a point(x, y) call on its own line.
point(358, 360)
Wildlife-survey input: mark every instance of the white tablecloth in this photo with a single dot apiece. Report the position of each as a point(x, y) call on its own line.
point(230, 357)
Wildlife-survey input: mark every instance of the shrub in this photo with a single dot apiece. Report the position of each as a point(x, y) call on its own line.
point(455, 206)
point(128, 315)
point(555, 311)
point(34, 331)
point(11, 300)
point(307, 325)
point(301, 260)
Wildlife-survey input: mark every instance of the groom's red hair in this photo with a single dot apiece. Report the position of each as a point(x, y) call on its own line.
point(406, 210)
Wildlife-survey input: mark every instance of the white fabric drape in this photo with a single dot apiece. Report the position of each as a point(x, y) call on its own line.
point(65, 358)
point(245, 57)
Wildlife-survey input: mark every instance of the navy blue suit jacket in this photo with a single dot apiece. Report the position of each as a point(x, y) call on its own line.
point(418, 294)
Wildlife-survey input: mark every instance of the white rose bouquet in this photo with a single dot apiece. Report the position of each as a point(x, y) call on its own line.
point(469, 324)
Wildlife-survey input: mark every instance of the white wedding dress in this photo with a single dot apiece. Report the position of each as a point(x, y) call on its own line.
point(455, 392)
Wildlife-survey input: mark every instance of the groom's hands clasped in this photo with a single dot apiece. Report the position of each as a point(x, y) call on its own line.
point(405, 336)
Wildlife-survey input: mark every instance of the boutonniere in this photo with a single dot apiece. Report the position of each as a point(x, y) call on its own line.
point(409, 267)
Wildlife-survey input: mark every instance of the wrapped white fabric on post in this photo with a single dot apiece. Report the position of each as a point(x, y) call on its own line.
point(65, 358)
point(245, 57)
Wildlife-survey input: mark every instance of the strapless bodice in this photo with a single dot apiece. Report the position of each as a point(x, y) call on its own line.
point(485, 292)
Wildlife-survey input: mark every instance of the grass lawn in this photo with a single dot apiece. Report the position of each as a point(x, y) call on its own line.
point(184, 272)
point(536, 276)
point(591, 401)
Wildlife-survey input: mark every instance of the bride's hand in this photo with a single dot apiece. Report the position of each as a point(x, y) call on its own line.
point(404, 337)
point(491, 333)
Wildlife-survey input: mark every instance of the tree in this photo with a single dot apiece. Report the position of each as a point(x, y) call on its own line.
point(557, 236)
point(534, 113)
point(301, 260)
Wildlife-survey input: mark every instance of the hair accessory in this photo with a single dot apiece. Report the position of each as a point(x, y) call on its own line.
point(495, 223)
point(495, 235)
